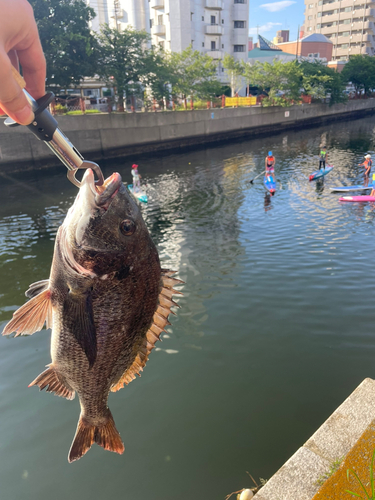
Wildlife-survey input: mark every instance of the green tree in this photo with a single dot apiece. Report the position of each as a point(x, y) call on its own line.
point(235, 71)
point(122, 60)
point(320, 81)
point(68, 45)
point(195, 74)
point(360, 70)
point(160, 75)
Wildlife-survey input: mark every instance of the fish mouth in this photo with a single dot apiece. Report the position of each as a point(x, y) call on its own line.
point(105, 193)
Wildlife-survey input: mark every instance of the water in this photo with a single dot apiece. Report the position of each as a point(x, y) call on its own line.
point(275, 328)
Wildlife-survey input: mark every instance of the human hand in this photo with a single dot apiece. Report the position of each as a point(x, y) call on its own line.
point(19, 43)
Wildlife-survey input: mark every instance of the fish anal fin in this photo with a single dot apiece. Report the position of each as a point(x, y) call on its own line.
point(105, 435)
point(31, 317)
point(78, 305)
point(53, 382)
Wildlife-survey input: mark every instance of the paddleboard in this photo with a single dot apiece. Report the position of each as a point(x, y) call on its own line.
point(359, 199)
point(345, 189)
point(140, 195)
point(269, 183)
point(320, 173)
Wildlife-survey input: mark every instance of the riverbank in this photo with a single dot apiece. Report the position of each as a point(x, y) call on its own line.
point(101, 136)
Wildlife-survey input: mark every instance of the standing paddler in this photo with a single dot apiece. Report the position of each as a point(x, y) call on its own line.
point(323, 158)
point(270, 164)
point(367, 164)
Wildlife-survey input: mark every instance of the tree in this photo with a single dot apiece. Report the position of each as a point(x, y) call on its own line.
point(122, 60)
point(68, 44)
point(235, 71)
point(360, 70)
point(195, 74)
point(160, 76)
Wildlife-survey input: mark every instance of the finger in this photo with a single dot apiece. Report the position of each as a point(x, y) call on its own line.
point(12, 98)
point(33, 65)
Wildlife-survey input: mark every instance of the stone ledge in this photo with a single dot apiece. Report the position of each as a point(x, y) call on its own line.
point(297, 478)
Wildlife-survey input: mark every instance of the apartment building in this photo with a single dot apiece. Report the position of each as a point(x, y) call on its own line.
point(349, 24)
point(101, 10)
point(214, 27)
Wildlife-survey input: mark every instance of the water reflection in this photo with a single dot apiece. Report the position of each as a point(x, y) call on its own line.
point(272, 292)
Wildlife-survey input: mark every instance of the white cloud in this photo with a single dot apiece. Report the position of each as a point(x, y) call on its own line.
point(265, 28)
point(276, 6)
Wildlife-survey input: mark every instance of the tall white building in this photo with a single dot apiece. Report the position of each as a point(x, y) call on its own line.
point(349, 24)
point(215, 27)
point(101, 10)
point(125, 13)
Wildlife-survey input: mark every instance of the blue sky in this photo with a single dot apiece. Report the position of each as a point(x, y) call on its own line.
point(272, 16)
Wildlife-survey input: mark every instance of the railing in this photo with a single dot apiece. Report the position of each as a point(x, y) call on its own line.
point(214, 29)
point(215, 4)
point(215, 54)
point(157, 4)
point(158, 29)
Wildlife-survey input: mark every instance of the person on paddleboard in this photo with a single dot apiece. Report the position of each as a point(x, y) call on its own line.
point(367, 164)
point(136, 178)
point(270, 164)
point(323, 158)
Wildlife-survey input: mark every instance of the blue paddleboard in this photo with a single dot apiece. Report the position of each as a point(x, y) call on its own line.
point(269, 183)
point(320, 173)
point(344, 189)
point(140, 195)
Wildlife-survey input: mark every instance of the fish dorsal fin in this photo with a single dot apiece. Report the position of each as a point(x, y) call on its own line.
point(159, 322)
point(31, 317)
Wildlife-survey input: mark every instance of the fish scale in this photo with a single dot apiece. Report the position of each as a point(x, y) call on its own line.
point(109, 301)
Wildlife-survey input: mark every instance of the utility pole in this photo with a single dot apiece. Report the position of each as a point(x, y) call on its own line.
point(115, 11)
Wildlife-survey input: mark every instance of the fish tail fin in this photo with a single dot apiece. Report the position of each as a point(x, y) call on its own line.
point(105, 435)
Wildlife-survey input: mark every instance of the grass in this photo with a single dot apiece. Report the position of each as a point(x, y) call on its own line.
point(332, 469)
point(367, 497)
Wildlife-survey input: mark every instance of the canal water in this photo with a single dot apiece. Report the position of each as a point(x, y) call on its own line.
point(275, 330)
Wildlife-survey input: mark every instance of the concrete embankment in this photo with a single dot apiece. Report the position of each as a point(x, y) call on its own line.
point(110, 135)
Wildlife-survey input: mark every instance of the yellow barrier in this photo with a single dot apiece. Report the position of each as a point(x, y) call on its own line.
point(240, 101)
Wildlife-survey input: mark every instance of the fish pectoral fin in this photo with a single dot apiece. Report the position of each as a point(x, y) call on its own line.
point(53, 381)
point(159, 322)
point(78, 307)
point(36, 288)
point(31, 317)
point(105, 435)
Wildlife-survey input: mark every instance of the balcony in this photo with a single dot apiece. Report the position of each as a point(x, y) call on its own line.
point(158, 29)
point(215, 4)
point(157, 4)
point(215, 54)
point(240, 11)
point(214, 29)
point(117, 13)
point(240, 36)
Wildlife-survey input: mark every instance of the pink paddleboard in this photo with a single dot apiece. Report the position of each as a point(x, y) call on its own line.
point(358, 199)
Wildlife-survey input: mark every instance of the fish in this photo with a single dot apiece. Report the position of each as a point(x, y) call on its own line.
point(107, 301)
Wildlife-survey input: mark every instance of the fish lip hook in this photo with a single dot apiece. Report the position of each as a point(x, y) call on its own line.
point(86, 164)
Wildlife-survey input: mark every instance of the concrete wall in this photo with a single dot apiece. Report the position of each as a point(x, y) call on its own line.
point(109, 135)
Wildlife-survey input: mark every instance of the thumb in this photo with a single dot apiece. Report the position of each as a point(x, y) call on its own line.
point(12, 99)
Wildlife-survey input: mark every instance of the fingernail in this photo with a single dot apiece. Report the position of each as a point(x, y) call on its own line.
point(25, 116)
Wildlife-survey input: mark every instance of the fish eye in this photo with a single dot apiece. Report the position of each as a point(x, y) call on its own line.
point(127, 227)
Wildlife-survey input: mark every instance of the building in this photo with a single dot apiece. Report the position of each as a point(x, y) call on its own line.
point(101, 10)
point(214, 27)
point(315, 47)
point(282, 36)
point(349, 24)
point(266, 51)
point(129, 13)
point(250, 43)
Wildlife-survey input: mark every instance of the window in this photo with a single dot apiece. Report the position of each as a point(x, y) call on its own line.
point(222, 21)
point(345, 33)
point(311, 5)
point(191, 16)
point(347, 9)
point(309, 18)
point(239, 1)
point(160, 20)
point(239, 24)
point(319, 14)
point(213, 45)
point(151, 22)
point(222, 45)
point(346, 21)
point(213, 19)
point(318, 26)
point(239, 48)
point(202, 44)
point(309, 28)
point(344, 46)
point(202, 18)
point(320, 2)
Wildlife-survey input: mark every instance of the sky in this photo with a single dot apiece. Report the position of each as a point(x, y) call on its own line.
point(274, 16)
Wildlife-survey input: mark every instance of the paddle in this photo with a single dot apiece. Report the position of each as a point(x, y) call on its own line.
point(252, 180)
